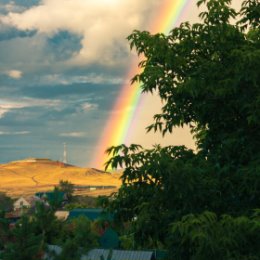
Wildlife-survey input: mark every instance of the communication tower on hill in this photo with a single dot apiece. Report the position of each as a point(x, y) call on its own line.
point(65, 159)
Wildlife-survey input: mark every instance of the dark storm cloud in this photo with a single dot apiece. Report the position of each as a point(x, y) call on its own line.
point(8, 33)
point(23, 53)
point(36, 106)
point(64, 44)
point(73, 91)
point(17, 6)
point(25, 3)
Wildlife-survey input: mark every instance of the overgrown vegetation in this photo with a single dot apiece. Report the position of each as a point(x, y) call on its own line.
point(6, 202)
point(198, 205)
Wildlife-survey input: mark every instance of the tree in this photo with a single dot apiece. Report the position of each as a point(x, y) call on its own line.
point(70, 250)
point(56, 199)
point(102, 202)
point(205, 236)
point(83, 233)
point(208, 78)
point(45, 222)
point(25, 244)
point(161, 185)
point(77, 234)
point(4, 230)
point(6, 203)
point(66, 187)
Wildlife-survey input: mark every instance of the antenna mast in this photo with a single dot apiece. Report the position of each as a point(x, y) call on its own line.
point(65, 160)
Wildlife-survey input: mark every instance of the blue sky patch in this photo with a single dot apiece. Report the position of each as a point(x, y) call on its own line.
point(64, 44)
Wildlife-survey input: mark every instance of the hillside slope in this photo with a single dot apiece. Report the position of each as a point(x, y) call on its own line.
point(29, 176)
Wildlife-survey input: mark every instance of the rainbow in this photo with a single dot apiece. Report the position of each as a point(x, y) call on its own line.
point(129, 99)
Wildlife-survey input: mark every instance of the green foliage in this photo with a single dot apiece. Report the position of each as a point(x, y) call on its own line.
point(66, 187)
point(207, 75)
point(70, 250)
point(25, 243)
point(153, 192)
point(250, 14)
point(6, 203)
point(4, 229)
point(56, 198)
point(205, 236)
point(45, 222)
point(71, 206)
point(102, 202)
point(127, 241)
point(80, 202)
point(78, 233)
point(82, 232)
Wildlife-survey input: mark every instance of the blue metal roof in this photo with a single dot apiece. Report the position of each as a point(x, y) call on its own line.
point(95, 254)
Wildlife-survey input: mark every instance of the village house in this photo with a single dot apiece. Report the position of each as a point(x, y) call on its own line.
point(25, 203)
point(21, 203)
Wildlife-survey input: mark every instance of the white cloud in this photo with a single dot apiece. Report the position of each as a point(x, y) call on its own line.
point(8, 105)
point(14, 133)
point(16, 74)
point(103, 24)
point(73, 134)
point(93, 78)
point(3, 111)
point(88, 106)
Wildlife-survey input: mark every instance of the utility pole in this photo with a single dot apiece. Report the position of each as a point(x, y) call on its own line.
point(65, 160)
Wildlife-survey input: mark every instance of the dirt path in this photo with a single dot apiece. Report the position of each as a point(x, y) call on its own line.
point(21, 175)
point(34, 180)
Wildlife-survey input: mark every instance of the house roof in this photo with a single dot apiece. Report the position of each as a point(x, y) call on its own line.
point(109, 239)
point(62, 214)
point(96, 254)
point(92, 214)
point(22, 199)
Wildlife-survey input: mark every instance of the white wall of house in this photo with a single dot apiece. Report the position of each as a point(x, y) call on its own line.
point(21, 203)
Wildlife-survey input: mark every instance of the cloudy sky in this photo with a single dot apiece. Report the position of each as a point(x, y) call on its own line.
point(62, 65)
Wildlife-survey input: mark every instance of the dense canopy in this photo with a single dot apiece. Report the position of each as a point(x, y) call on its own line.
point(207, 75)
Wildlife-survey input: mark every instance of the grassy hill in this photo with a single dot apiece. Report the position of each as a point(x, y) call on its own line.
point(28, 176)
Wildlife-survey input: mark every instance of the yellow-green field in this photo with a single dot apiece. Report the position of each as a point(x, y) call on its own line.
point(23, 178)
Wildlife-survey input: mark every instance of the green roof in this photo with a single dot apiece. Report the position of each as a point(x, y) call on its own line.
point(109, 239)
point(92, 214)
point(161, 254)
